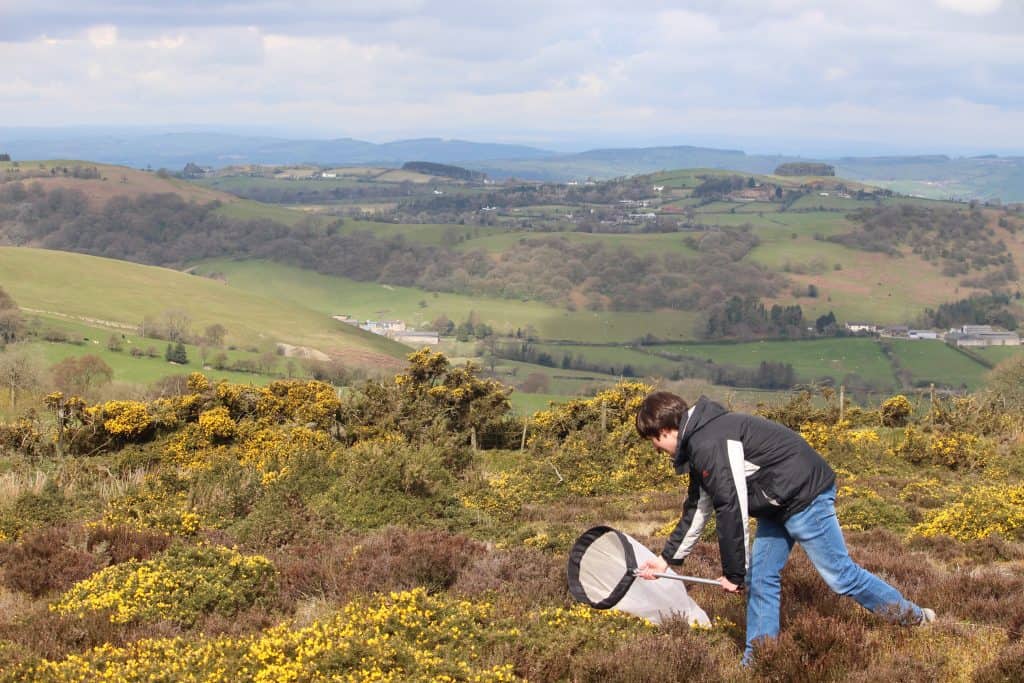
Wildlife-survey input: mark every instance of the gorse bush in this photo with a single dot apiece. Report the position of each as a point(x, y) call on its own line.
point(978, 513)
point(590, 446)
point(407, 636)
point(181, 584)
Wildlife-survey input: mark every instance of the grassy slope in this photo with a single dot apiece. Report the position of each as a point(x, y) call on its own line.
point(106, 289)
point(810, 359)
point(334, 295)
point(933, 361)
point(140, 370)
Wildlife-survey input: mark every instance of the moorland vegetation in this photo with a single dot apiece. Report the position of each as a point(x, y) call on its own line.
point(412, 528)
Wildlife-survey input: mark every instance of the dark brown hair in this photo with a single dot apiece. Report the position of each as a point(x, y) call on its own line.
point(660, 410)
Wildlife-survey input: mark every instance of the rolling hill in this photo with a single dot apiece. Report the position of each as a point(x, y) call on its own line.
point(122, 294)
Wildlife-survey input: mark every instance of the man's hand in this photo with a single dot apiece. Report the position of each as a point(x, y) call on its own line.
point(729, 586)
point(651, 566)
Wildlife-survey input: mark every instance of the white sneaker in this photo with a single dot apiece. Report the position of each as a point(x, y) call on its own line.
point(927, 616)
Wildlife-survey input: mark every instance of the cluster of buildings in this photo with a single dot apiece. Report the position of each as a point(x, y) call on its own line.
point(966, 335)
point(392, 329)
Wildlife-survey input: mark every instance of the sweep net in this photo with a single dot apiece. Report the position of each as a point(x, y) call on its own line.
point(600, 573)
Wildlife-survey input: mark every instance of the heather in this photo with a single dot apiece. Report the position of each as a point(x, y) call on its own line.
point(412, 528)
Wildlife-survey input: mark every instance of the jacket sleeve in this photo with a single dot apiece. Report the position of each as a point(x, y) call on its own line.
point(696, 511)
point(725, 481)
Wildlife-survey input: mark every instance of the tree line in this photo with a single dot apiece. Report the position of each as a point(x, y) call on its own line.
point(164, 229)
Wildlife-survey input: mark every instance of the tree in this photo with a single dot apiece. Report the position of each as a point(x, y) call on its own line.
point(21, 370)
point(1007, 382)
point(10, 319)
point(176, 354)
point(78, 376)
point(115, 343)
point(214, 334)
point(177, 325)
point(535, 383)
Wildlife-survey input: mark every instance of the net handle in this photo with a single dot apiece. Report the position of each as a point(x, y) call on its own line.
point(677, 577)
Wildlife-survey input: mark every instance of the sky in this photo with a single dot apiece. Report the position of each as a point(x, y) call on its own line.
point(769, 76)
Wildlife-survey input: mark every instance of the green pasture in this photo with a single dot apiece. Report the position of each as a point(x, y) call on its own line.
point(332, 295)
point(85, 339)
point(811, 359)
point(934, 361)
point(83, 286)
point(814, 201)
point(436, 234)
point(997, 354)
point(612, 358)
point(643, 244)
point(248, 210)
point(143, 370)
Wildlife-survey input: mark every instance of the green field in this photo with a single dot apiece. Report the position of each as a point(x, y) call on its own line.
point(117, 291)
point(934, 361)
point(644, 244)
point(811, 359)
point(997, 354)
point(368, 300)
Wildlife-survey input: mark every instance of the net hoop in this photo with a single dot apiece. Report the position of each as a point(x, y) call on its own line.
point(580, 548)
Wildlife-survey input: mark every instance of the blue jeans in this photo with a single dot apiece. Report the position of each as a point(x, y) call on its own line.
point(816, 528)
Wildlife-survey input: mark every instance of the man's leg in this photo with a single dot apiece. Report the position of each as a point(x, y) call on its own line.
point(772, 544)
point(816, 528)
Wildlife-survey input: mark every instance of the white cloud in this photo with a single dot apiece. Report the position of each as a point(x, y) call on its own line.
point(102, 36)
point(978, 7)
point(878, 70)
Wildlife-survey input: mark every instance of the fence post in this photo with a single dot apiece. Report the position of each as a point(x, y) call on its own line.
point(472, 438)
point(522, 441)
point(842, 401)
point(604, 416)
point(931, 398)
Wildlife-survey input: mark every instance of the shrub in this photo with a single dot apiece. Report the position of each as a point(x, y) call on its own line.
point(389, 481)
point(180, 585)
point(122, 543)
point(980, 512)
point(895, 411)
point(403, 636)
point(953, 449)
point(45, 560)
point(1006, 668)
point(860, 509)
point(590, 446)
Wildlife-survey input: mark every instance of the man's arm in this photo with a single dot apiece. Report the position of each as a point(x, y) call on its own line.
point(726, 482)
point(696, 512)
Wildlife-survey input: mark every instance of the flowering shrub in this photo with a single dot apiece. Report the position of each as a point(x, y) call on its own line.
point(978, 513)
point(125, 419)
point(407, 636)
point(161, 504)
point(895, 411)
point(826, 438)
point(216, 424)
point(271, 449)
point(181, 584)
point(501, 496)
point(950, 448)
point(860, 509)
point(429, 403)
point(572, 453)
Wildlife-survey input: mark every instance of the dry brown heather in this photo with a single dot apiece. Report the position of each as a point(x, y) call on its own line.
point(355, 504)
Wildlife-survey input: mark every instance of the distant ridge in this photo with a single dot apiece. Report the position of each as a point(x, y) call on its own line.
point(174, 150)
point(933, 175)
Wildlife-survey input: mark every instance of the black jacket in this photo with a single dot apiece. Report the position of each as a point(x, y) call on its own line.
point(740, 466)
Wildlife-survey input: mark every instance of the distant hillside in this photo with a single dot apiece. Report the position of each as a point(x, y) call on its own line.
point(100, 182)
point(933, 176)
point(602, 164)
point(174, 150)
point(90, 287)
